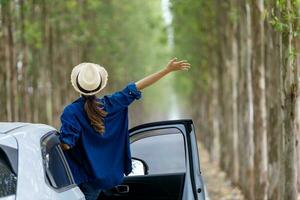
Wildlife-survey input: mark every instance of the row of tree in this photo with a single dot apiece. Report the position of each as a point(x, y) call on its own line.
point(42, 40)
point(245, 88)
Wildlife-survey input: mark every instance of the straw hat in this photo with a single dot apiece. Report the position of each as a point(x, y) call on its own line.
point(88, 78)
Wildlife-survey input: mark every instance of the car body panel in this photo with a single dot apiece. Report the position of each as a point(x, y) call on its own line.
point(8, 140)
point(10, 126)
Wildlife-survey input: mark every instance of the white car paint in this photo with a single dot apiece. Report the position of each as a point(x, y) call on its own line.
point(31, 183)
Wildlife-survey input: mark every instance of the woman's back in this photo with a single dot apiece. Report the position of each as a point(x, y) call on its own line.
point(101, 155)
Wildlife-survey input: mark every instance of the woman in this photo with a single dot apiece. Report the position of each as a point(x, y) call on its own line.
point(94, 131)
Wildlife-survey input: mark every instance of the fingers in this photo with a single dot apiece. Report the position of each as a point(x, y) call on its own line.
point(180, 65)
point(185, 67)
point(173, 60)
point(179, 62)
point(182, 61)
point(185, 64)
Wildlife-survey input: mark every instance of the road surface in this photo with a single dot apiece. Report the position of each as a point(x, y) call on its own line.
point(218, 186)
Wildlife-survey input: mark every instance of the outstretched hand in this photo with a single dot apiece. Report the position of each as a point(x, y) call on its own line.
point(175, 65)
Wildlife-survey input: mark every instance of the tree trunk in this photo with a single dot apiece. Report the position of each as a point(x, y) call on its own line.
point(8, 59)
point(297, 63)
point(12, 62)
point(234, 94)
point(274, 127)
point(246, 152)
point(249, 136)
point(259, 101)
point(290, 89)
point(222, 72)
point(24, 61)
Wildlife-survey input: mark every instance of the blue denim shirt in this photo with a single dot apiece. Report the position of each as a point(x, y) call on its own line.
point(100, 159)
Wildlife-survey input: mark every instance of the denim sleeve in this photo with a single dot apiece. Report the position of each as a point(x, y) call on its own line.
point(70, 128)
point(122, 99)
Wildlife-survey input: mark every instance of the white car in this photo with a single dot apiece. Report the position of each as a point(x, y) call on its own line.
point(32, 164)
point(165, 164)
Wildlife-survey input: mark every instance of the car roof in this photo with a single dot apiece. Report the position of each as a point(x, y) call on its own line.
point(6, 127)
point(12, 128)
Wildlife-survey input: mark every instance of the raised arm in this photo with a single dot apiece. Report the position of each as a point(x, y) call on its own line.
point(172, 66)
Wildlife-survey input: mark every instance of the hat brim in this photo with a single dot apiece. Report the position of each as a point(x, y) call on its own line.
point(76, 70)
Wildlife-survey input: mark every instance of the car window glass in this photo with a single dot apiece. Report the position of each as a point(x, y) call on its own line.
point(56, 170)
point(162, 153)
point(58, 174)
point(8, 179)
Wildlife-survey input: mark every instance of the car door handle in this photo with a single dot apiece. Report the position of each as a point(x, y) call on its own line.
point(122, 189)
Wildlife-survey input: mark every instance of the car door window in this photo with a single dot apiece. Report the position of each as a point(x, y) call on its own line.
point(163, 150)
point(58, 174)
point(57, 170)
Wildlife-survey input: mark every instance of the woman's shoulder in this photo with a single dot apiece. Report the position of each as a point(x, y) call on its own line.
point(73, 107)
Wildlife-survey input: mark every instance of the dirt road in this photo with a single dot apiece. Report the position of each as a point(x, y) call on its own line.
point(218, 186)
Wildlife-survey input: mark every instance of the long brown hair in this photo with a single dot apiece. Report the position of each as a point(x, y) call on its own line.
point(95, 113)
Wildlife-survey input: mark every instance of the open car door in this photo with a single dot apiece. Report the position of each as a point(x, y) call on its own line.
point(165, 164)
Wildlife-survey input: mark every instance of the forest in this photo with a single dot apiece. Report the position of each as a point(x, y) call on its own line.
point(242, 91)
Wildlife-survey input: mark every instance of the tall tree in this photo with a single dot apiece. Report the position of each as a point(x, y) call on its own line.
point(259, 100)
point(290, 94)
point(274, 116)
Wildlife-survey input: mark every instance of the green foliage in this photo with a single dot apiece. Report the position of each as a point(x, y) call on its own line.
point(234, 15)
point(33, 34)
point(127, 37)
point(277, 24)
point(4, 2)
point(282, 17)
point(195, 37)
point(292, 54)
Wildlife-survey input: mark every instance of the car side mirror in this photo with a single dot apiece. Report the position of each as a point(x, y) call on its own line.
point(139, 167)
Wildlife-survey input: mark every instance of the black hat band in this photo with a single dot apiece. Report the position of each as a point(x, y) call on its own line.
point(88, 91)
